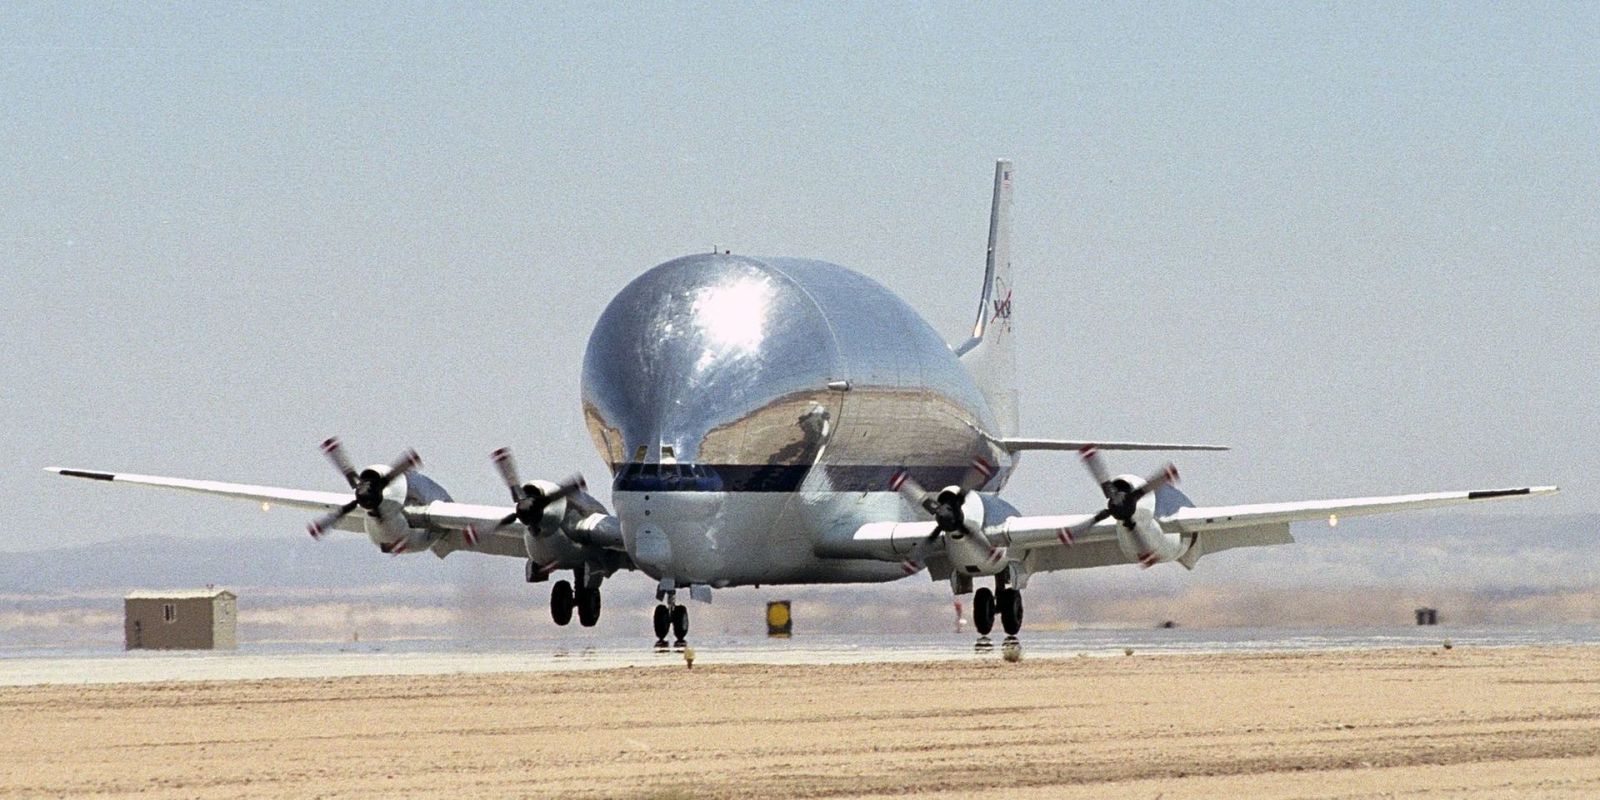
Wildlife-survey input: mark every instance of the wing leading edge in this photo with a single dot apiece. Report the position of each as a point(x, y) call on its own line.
point(441, 514)
point(1243, 525)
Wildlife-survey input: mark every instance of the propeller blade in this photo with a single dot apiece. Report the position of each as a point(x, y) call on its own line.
point(1167, 474)
point(334, 450)
point(1084, 527)
point(978, 474)
point(508, 472)
point(912, 491)
point(321, 525)
point(912, 563)
point(409, 460)
point(1097, 468)
point(573, 484)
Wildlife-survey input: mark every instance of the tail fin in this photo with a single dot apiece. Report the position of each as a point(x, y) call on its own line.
point(990, 356)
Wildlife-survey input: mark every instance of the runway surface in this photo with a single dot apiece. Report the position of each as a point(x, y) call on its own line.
point(577, 652)
point(1420, 722)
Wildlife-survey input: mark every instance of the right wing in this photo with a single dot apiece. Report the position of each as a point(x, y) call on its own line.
point(294, 498)
point(593, 528)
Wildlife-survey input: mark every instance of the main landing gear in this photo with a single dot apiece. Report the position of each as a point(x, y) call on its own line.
point(671, 618)
point(1004, 602)
point(564, 599)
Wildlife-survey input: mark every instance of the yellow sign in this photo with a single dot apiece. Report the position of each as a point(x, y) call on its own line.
point(779, 623)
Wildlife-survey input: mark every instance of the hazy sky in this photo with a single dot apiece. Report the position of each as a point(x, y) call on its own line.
point(1359, 243)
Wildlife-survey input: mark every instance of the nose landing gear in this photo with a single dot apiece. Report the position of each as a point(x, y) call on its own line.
point(673, 618)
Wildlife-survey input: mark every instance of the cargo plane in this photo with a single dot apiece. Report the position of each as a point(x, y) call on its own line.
point(790, 421)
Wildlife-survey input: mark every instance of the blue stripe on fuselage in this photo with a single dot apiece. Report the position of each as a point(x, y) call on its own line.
point(772, 477)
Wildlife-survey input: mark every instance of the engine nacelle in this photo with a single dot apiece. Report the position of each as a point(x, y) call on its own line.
point(970, 551)
point(1147, 544)
point(391, 531)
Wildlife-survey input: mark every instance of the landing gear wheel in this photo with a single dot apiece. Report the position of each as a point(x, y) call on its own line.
point(1010, 602)
point(663, 623)
point(561, 602)
point(983, 611)
point(680, 624)
point(588, 607)
point(531, 572)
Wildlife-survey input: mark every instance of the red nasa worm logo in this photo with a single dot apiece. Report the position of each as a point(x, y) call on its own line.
point(1002, 304)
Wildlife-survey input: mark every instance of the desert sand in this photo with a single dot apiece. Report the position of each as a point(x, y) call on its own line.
point(1415, 723)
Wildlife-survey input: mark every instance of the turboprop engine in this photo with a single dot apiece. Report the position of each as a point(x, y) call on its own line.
point(1131, 501)
point(1140, 537)
point(383, 491)
point(958, 517)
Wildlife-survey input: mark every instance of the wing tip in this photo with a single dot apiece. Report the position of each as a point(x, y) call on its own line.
point(1520, 491)
point(82, 473)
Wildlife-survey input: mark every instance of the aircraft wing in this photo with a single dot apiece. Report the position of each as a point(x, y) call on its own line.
point(1195, 519)
point(440, 514)
point(295, 498)
point(1217, 528)
point(1017, 445)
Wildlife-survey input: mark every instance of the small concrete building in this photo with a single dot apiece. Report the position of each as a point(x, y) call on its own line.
point(203, 619)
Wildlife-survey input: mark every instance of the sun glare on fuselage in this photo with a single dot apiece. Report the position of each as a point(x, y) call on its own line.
point(732, 317)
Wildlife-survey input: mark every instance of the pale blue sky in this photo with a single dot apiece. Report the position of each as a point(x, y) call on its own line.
point(1358, 243)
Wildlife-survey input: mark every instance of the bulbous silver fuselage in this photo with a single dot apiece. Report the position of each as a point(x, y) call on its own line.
point(749, 406)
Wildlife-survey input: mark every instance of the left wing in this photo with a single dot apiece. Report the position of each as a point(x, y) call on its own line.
point(1217, 528)
point(1017, 445)
point(1194, 519)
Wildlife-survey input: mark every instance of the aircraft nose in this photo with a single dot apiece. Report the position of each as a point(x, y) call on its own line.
point(673, 534)
point(713, 360)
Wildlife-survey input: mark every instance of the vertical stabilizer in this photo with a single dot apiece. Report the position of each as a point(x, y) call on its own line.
point(990, 355)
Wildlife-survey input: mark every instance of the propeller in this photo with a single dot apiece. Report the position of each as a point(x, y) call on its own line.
point(947, 506)
point(531, 499)
point(1122, 497)
point(367, 485)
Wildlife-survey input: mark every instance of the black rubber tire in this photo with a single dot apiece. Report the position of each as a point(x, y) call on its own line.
point(1010, 601)
point(529, 572)
point(983, 611)
point(680, 622)
point(561, 603)
point(588, 607)
point(663, 622)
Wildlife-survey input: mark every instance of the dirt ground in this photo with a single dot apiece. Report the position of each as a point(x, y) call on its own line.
point(1419, 723)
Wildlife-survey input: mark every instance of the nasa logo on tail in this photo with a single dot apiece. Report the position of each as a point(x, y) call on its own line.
point(1002, 304)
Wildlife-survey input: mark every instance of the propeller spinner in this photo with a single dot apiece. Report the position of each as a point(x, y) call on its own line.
point(367, 485)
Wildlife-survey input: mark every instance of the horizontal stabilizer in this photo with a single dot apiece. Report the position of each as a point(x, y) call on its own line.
point(1013, 445)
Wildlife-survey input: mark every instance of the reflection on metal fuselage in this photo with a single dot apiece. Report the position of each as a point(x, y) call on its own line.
point(751, 407)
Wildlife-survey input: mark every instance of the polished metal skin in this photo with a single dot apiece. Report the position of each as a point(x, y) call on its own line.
point(751, 407)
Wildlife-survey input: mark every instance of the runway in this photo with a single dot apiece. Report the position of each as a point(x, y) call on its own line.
point(1423, 722)
point(580, 652)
